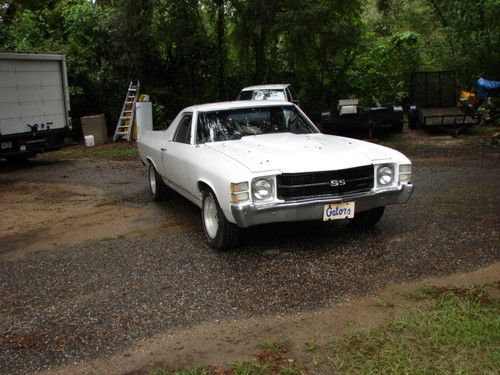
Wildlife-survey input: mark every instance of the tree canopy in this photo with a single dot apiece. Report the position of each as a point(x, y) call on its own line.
point(193, 51)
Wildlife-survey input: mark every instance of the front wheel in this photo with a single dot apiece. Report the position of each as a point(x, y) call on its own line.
point(220, 233)
point(367, 219)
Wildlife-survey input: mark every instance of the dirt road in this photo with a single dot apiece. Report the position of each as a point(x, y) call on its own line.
point(89, 266)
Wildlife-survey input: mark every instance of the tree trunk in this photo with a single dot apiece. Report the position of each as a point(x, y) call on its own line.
point(221, 51)
point(259, 48)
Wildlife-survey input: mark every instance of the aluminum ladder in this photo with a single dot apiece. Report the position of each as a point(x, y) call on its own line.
point(126, 120)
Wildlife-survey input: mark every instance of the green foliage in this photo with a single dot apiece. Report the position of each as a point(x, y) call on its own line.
point(380, 73)
point(193, 51)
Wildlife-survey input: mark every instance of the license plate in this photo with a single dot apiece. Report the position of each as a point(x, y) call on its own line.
point(7, 144)
point(338, 211)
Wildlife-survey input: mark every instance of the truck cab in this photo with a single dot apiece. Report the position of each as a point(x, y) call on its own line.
point(277, 92)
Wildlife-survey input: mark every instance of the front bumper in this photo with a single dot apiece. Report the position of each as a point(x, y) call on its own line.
point(304, 210)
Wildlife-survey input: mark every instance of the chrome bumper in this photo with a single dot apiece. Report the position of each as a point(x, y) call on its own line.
point(248, 215)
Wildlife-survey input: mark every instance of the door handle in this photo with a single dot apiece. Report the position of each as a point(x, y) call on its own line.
point(163, 149)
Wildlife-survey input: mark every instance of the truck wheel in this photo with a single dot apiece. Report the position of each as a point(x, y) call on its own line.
point(220, 233)
point(367, 219)
point(159, 190)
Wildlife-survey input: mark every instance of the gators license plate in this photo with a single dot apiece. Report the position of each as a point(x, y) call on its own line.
point(338, 211)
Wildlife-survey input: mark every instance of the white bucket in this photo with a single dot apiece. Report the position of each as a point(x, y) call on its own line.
point(89, 141)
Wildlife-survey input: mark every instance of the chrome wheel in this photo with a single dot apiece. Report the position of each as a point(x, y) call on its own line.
point(152, 179)
point(210, 219)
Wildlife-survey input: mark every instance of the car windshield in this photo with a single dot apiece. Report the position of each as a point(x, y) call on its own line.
point(264, 94)
point(236, 123)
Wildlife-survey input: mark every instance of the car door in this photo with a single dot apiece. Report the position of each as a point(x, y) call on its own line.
point(176, 152)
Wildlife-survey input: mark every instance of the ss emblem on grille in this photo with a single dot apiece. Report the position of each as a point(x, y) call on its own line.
point(337, 182)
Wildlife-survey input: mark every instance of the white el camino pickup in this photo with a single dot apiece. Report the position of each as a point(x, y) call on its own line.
point(246, 163)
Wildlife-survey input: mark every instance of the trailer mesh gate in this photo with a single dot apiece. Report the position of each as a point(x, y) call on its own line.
point(434, 89)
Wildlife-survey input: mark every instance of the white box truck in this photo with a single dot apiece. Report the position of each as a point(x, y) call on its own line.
point(34, 104)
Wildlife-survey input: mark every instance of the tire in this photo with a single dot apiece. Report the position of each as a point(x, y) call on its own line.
point(159, 190)
point(368, 219)
point(413, 117)
point(220, 233)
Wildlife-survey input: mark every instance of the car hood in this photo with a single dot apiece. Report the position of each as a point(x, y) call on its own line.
point(294, 153)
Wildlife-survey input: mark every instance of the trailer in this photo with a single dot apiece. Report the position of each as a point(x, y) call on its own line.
point(433, 98)
point(34, 104)
point(351, 116)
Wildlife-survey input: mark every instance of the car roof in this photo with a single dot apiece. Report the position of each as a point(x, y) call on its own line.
point(220, 106)
point(275, 86)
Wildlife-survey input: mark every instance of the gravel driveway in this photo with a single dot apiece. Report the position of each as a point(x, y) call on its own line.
point(67, 303)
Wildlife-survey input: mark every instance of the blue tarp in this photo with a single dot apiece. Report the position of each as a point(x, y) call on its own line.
point(485, 87)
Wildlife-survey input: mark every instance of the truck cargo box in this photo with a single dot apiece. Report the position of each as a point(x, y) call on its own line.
point(34, 103)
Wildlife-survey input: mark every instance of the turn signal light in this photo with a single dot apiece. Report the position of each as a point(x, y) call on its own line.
point(239, 197)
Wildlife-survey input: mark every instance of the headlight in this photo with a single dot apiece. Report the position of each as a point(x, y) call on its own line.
point(405, 173)
point(385, 175)
point(262, 189)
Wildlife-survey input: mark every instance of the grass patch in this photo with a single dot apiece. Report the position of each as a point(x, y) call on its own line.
point(447, 331)
point(457, 333)
point(196, 370)
point(272, 359)
point(383, 304)
point(424, 292)
point(114, 151)
point(274, 346)
point(251, 368)
point(310, 347)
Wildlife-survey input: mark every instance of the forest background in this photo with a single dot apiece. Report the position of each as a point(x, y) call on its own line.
point(193, 51)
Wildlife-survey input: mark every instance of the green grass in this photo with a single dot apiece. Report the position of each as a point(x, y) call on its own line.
point(92, 153)
point(446, 331)
point(310, 347)
point(383, 304)
point(274, 346)
point(458, 332)
point(251, 368)
point(108, 151)
point(196, 370)
point(424, 292)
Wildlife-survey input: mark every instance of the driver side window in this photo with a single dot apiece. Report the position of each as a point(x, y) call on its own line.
point(183, 132)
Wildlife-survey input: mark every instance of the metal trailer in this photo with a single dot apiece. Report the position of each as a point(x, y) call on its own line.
point(434, 103)
point(34, 104)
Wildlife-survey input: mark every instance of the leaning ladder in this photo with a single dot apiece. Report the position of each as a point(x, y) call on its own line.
point(126, 120)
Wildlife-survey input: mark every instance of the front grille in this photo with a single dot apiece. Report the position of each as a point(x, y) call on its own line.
point(295, 186)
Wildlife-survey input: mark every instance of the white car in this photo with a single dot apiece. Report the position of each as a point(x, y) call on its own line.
point(246, 163)
point(279, 92)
